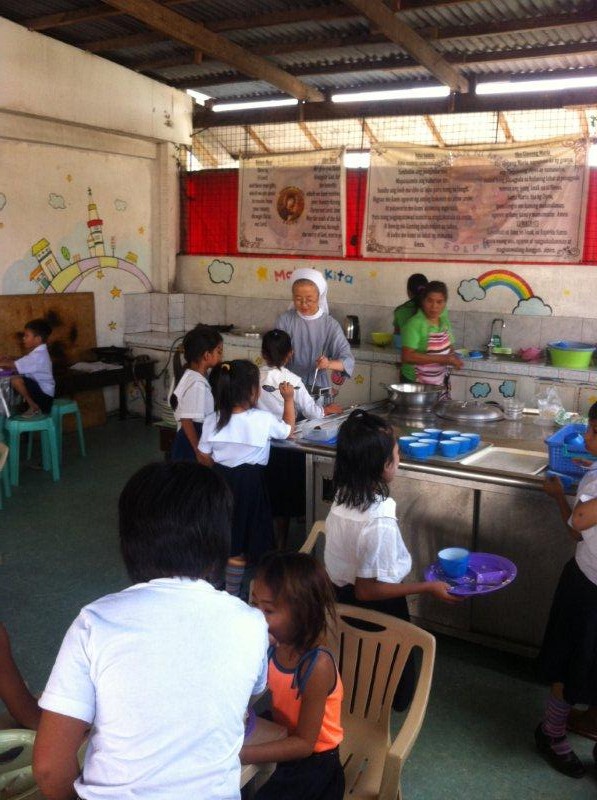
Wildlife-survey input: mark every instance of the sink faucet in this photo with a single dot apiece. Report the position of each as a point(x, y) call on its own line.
point(495, 339)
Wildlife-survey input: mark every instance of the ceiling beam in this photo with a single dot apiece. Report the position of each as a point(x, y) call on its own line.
point(198, 36)
point(400, 33)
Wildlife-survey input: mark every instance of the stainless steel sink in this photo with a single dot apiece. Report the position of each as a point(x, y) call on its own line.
point(507, 459)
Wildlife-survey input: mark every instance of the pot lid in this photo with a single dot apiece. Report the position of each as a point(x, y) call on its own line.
point(469, 411)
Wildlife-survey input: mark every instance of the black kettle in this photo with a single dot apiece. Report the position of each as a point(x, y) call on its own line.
point(352, 329)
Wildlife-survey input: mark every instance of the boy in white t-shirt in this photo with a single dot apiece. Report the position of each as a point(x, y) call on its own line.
point(35, 381)
point(164, 670)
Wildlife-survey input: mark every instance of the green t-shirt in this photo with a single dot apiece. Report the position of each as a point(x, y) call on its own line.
point(403, 313)
point(415, 335)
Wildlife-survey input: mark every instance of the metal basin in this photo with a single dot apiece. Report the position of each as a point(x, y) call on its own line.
point(507, 459)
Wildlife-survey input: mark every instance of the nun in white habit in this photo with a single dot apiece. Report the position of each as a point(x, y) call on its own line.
point(318, 342)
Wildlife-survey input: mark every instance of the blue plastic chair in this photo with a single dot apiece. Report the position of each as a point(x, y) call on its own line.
point(60, 408)
point(43, 423)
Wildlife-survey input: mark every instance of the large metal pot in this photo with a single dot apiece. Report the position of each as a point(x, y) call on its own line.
point(413, 396)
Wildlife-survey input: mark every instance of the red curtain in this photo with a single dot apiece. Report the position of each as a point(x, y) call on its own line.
point(210, 213)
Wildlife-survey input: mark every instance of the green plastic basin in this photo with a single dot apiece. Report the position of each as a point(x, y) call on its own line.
point(570, 358)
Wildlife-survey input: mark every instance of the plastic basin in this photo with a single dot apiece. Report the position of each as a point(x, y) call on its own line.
point(572, 355)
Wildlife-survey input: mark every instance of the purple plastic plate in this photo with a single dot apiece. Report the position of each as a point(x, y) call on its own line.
point(486, 573)
point(250, 723)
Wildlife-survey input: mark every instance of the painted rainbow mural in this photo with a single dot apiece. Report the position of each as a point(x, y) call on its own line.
point(503, 277)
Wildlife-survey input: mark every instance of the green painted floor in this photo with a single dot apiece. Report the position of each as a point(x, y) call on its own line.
point(59, 550)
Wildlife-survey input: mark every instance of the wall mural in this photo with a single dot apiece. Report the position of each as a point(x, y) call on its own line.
point(528, 303)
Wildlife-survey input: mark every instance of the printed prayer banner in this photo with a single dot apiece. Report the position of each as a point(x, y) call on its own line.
point(503, 202)
point(292, 203)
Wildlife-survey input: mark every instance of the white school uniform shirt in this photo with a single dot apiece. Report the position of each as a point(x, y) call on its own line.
point(195, 400)
point(365, 544)
point(164, 670)
point(586, 550)
point(37, 365)
point(245, 440)
point(274, 402)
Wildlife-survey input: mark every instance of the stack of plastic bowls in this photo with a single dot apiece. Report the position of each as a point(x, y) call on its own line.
point(474, 439)
point(449, 434)
point(404, 443)
point(432, 433)
point(432, 445)
point(463, 444)
point(420, 449)
point(448, 448)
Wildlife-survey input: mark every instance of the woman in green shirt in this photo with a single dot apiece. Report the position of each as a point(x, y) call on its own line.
point(427, 340)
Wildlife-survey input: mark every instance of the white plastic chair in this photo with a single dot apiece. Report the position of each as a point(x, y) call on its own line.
point(315, 540)
point(371, 664)
point(16, 756)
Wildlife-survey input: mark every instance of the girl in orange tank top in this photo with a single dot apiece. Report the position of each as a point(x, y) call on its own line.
point(295, 593)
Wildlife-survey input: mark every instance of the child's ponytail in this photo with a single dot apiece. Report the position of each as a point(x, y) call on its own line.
point(233, 383)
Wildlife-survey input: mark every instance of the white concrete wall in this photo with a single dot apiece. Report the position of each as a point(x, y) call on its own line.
point(69, 122)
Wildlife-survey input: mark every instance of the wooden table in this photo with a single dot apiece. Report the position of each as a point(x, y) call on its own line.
point(264, 731)
point(73, 381)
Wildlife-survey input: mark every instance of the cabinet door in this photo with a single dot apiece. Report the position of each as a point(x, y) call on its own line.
point(357, 388)
point(383, 375)
point(433, 514)
point(524, 526)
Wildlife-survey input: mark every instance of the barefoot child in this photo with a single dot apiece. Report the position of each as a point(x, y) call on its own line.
point(35, 381)
point(294, 593)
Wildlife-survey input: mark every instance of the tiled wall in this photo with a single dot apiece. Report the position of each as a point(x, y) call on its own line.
point(176, 312)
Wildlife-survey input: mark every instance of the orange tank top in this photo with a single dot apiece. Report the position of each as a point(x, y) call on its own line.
point(287, 685)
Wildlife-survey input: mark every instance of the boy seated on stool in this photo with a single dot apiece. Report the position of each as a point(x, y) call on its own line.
point(35, 381)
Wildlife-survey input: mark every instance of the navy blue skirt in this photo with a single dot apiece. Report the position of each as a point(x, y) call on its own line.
point(181, 447)
point(317, 777)
point(252, 521)
point(569, 651)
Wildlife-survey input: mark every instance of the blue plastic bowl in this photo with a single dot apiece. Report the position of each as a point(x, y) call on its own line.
point(464, 444)
point(420, 449)
point(449, 434)
point(474, 439)
point(432, 444)
point(448, 448)
point(404, 443)
point(454, 561)
point(432, 433)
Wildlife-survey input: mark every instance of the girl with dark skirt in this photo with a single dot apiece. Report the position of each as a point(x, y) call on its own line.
point(295, 594)
point(365, 555)
point(568, 657)
point(236, 441)
point(192, 399)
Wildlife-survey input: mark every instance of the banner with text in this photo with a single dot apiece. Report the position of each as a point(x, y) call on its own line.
point(292, 203)
point(504, 202)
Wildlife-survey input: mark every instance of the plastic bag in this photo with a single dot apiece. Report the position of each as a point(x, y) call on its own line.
point(549, 404)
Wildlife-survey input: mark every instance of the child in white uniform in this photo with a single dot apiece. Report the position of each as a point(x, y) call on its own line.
point(568, 657)
point(192, 399)
point(236, 441)
point(35, 381)
point(365, 555)
point(285, 472)
point(162, 671)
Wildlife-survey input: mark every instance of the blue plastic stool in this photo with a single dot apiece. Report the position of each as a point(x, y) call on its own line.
point(5, 476)
point(60, 408)
point(43, 423)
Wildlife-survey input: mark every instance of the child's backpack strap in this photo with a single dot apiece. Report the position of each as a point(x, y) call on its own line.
point(305, 666)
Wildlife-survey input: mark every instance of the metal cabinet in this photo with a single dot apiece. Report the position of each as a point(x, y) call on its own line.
point(526, 527)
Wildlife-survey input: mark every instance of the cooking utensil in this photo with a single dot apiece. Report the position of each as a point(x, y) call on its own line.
point(409, 396)
point(469, 411)
point(352, 329)
point(314, 380)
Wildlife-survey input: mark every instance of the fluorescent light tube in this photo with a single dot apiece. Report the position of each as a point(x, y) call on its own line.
point(536, 85)
point(392, 94)
point(291, 101)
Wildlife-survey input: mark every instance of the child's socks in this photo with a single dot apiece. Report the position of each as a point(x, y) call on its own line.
point(554, 724)
point(235, 569)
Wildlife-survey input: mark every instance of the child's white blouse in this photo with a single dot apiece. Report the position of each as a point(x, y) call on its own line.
point(195, 400)
point(245, 440)
point(586, 550)
point(365, 544)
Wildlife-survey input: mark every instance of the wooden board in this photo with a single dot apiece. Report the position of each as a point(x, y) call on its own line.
point(72, 317)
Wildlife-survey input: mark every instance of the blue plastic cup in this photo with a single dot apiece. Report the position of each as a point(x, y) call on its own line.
point(454, 561)
point(449, 434)
point(464, 444)
point(432, 444)
point(432, 433)
point(448, 448)
point(474, 438)
point(404, 443)
point(420, 450)
point(419, 435)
